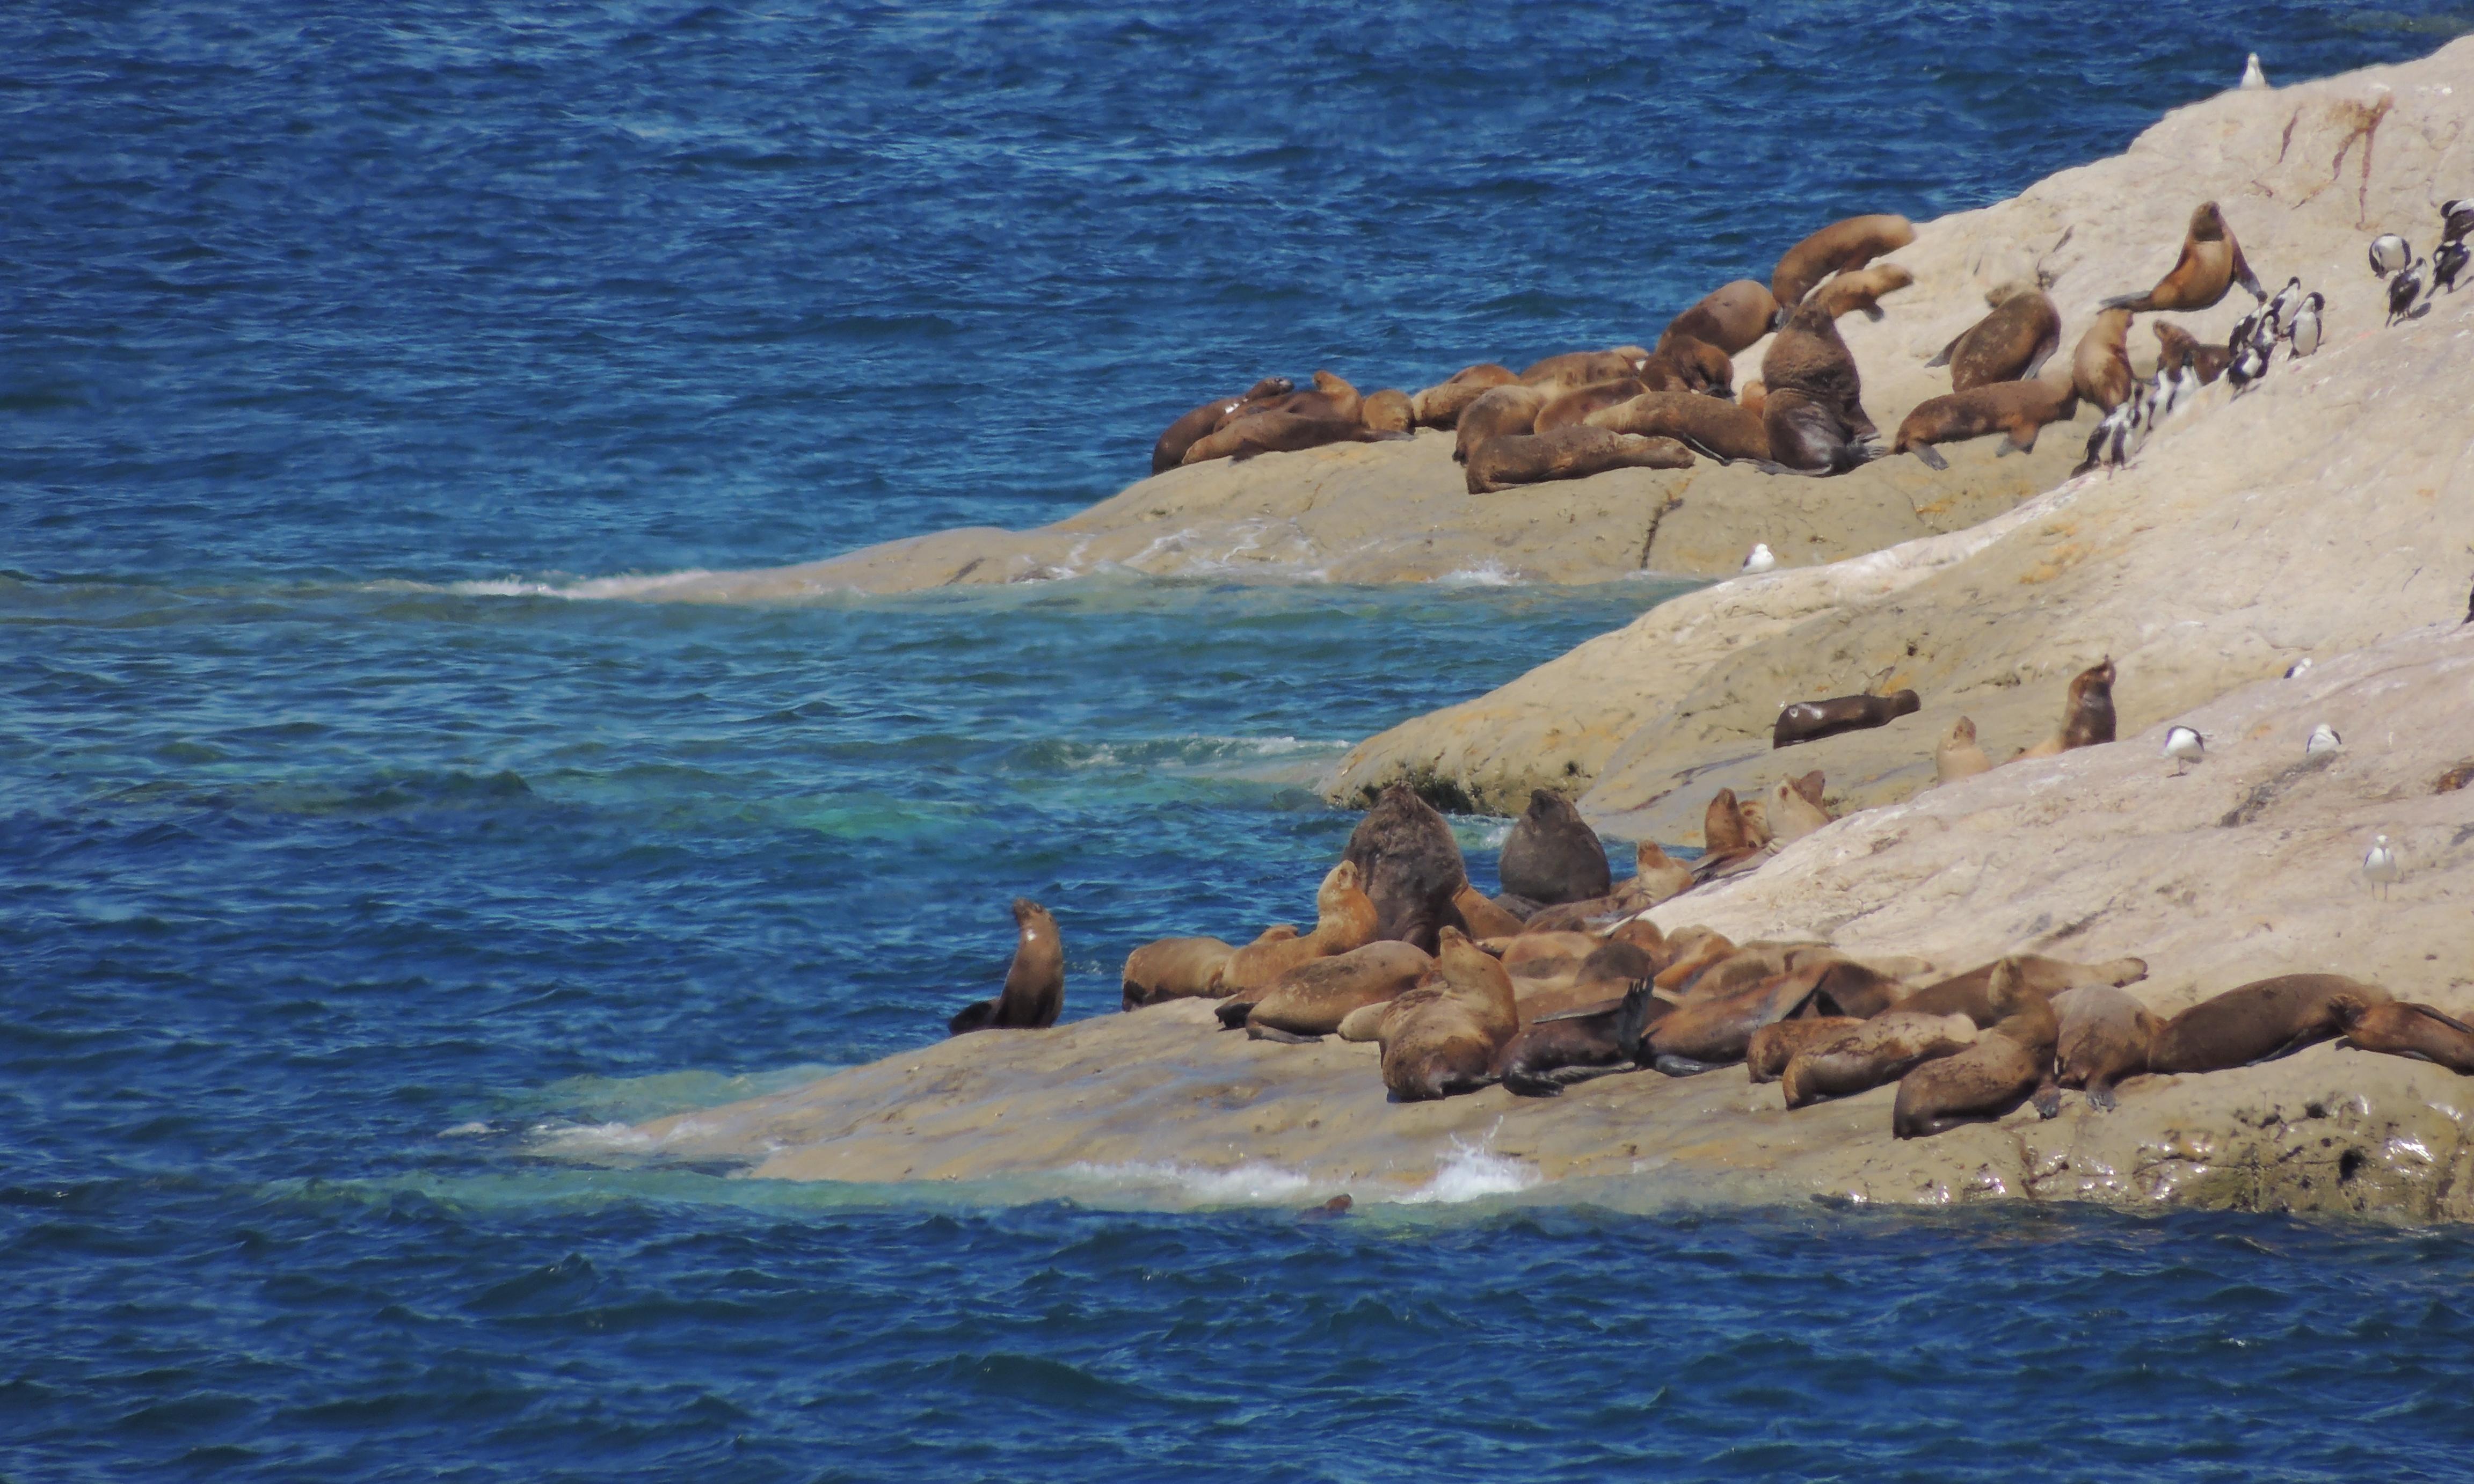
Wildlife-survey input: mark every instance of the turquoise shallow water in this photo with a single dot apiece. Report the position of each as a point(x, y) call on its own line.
point(336, 862)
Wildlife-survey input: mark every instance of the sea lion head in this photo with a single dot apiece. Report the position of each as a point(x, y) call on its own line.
point(2208, 223)
point(1331, 384)
point(1270, 386)
point(1703, 366)
point(1906, 703)
point(1962, 730)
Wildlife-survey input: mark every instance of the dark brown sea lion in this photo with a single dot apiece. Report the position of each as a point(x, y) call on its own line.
point(1034, 983)
point(2087, 713)
point(2403, 1028)
point(2011, 344)
point(1724, 430)
point(1280, 433)
point(1809, 357)
point(2010, 1062)
point(1577, 452)
point(1345, 920)
point(1701, 1034)
point(1552, 855)
point(1838, 248)
point(1733, 317)
point(1580, 368)
point(2105, 1037)
point(1498, 411)
point(1774, 1045)
point(1174, 968)
point(2210, 262)
point(1806, 721)
point(2101, 366)
point(1443, 1037)
point(1481, 917)
point(1409, 863)
point(2175, 345)
point(1861, 289)
point(1971, 993)
point(2261, 1021)
point(1441, 405)
point(1874, 1053)
point(2016, 409)
point(1313, 998)
point(1169, 451)
point(1553, 1052)
point(1386, 411)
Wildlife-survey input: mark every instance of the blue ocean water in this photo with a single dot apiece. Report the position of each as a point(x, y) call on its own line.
point(337, 857)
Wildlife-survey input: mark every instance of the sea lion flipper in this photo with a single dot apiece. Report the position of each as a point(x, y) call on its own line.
point(972, 1017)
point(1929, 455)
point(2136, 304)
point(1683, 1066)
point(1632, 1019)
point(2303, 1040)
point(1285, 1038)
point(2442, 1016)
point(1232, 1013)
point(2047, 1100)
point(2101, 1099)
point(1948, 351)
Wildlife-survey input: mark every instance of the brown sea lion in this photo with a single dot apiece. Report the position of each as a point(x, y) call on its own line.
point(1724, 430)
point(1838, 248)
point(2210, 262)
point(1722, 824)
point(1701, 1034)
point(1862, 289)
point(1774, 1045)
point(1566, 408)
point(1805, 722)
point(1034, 983)
point(1959, 756)
point(1332, 400)
point(1733, 317)
point(1875, 1054)
point(1409, 863)
point(2261, 1021)
point(1481, 917)
point(1174, 968)
point(1280, 433)
point(1345, 920)
point(1580, 368)
point(1386, 411)
point(1860, 990)
point(1552, 855)
point(2175, 345)
point(2105, 1037)
point(1656, 877)
point(1600, 976)
point(1443, 1037)
point(2403, 1028)
point(1793, 814)
point(1690, 364)
point(1753, 398)
point(2010, 1062)
point(1808, 356)
point(1441, 405)
point(2016, 409)
point(1554, 1052)
point(1543, 955)
point(2101, 366)
point(1498, 411)
point(1169, 451)
point(1971, 993)
point(2011, 344)
point(2087, 713)
point(1312, 999)
point(1511, 459)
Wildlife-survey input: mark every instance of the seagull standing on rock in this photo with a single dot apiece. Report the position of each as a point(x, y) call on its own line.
point(2185, 746)
point(1761, 560)
point(2323, 739)
point(2252, 76)
point(2380, 866)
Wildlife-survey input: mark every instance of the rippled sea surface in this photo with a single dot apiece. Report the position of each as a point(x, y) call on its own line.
point(336, 863)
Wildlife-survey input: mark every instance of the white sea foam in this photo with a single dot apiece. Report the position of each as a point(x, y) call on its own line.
point(1250, 1182)
point(1485, 575)
point(1471, 1172)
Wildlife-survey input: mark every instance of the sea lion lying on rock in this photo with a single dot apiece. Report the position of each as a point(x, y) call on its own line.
point(1169, 451)
point(1386, 411)
point(2403, 1028)
point(1280, 432)
point(1345, 920)
point(1496, 412)
point(1481, 917)
point(1034, 983)
point(1443, 1037)
point(2011, 1061)
point(1703, 1033)
point(1441, 405)
point(1971, 994)
point(1553, 1052)
point(1726, 432)
point(1552, 855)
point(2011, 344)
point(1874, 1053)
point(1576, 452)
point(1775, 1044)
point(1805, 722)
point(1314, 998)
point(1733, 317)
point(1409, 865)
point(2014, 409)
point(1580, 368)
point(1174, 968)
point(2105, 1037)
point(2261, 1021)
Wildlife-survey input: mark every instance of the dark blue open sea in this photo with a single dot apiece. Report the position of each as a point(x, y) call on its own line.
point(340, 856)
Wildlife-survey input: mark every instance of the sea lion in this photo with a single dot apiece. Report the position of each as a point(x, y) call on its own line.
point(2016, 409)
point(1971, 993)
point(1722, 824)
point(2210, 262)
point(1813, 413)
point(1497, 411)
point(1034, 983)
point(2101, 366)
point(1510, 459)
point(1480, 917)
point(1543, 955)
point(1775, 1044)
point(1875, 1054)
point(1386, 411)
point(1657, 876)
point(1709, 425)
point(1859, 990)
point(2176, 346)
point(2403, 1028)
point(1733, 317)
point(1959, 756)
point(1805, 722)
point(1793, 814)
point(1701, 1034)
point(1553, 1052)
point(1689, 363)
point(2261, 1021)
point(1552, 855)
point(2087, 713)
point(1838, 248)
point(1862, 289)
point(2105, 1037)
point(1174, 968)
point(1443, 1037)
point(1169, 451)
point(1312, 999)
point(1566, 408)
point(1345, 920)
point(1600, 976)
point(1333, 400)
point(1409, 863)
point(2010, 1062)
point(1441, 405)
point(2011, 344)
point(1580, 368)
point(1280, 433)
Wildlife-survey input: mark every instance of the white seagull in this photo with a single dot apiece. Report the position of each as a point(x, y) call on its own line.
point(1761, 560)
point(2252, 76)
point(2323, 739)
point(2380, 866)
point(2185, 746)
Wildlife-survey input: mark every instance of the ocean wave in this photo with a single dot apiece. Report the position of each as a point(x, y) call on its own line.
point(1473, 1172)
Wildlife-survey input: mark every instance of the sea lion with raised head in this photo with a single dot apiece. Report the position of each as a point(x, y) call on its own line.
point(2009, 1062)
point(1552, 855)
point(1862, 290)
point(1409, 863)
point(2100, 367)
point(1386, 411)
point(2176, 346)
point(1840, 247)
point(1726, 432)
point(1971, 993)
point(2210, 262)
point(2015, 409)
point(1959, 755)
point(1733, 317)
point(2105, 1037)
point(2011, 344)
point(1575, 452)
point(1345, 920)
point(1034, 983)
point(1794, 813)
point(1580, 368)
point(2261, 1021)
point(1872, 1054)
point(1805, 722)
point(1441, 405)
point(1442, 1037)
point(1169, 451)
point(1313, 999)
point(2087, 713)
point(2404, 1028)
point(1813, 412)
point(1174, 968)
point(1498, 411)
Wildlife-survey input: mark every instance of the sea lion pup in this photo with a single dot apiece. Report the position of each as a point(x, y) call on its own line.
point(2011, 344)
point(1441, 405)
point(2105, 1037)
point(1481, 917)
point(2087, 715)
point(1280, 433)
point(1409, 863)
point(1838, 248)
point(1314, 998)
point(1875, 1054)
point(1497, 411)
point(1169, 451)
point(2009, 1064)
point(1174, 968)
point(1580, 368)
point(1805, 722)
point(1552, 855)
point(1862, 289)
point(1575, 452)
point(1971, 994)
point(1957, 756)
point(1775, 1044)
point(2261, 1021)
point(1443, 1037)
point(1386, 411)
point(1733, 317)
point(2101, 366)
point(2016, 409)
point(1726, 432)
point(1034, 983)
point(2210, 262)
point(1793, 814)
point(1345, 920)
point(2403, 1028)
point(2176, 346)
